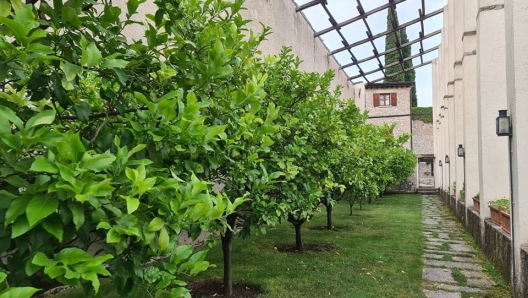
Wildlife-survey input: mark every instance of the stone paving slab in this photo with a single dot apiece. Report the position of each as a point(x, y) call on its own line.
point(441, 294)
point(444, 238)
point(449, 264)
point(460, 288)
point(438, 275)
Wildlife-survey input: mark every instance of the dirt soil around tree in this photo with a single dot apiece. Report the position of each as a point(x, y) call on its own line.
point(215, 288)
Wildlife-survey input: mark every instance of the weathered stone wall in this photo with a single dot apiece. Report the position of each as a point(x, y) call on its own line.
point(461, 212)
point(425, 180)
point(497, 248)
point(473, 225)
point(422, 137)
point(403, 123)
point(524, 270)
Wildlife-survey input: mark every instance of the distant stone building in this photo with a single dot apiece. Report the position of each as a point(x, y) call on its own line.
point(391, 103)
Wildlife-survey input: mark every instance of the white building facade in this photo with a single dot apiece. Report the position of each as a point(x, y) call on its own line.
point(482, 68)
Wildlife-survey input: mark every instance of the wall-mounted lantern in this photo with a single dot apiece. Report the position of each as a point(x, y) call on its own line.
point(460, 151)
point(447, 159)
point(503, 125)
point(439, 163)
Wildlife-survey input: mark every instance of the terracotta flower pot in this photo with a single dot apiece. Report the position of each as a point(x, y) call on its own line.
point(505, 222)
point(495, 214)
point(476, 205)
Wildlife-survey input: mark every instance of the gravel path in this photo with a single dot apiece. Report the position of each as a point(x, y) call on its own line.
point(451, 265)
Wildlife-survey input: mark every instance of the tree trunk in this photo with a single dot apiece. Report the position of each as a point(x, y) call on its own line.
point(370, 200)
point(329, 216)
point(351, 205)
point(298, 239)
point(297, 223)
point(360, 205)
point(227, 244)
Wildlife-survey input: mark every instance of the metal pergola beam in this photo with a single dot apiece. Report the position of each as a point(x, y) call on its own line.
point(358, 18)
point(403, 71)
point(396, 63)
point(393, 49)
point(358, 43)
point(397, 30)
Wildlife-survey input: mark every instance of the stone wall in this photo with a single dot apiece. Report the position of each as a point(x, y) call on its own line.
point(473, 225)
point(403, 107)
point(497, 248)
point(524, 269)
point(422, 137)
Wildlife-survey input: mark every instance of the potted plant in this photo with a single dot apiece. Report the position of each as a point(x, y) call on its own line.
point(500, 213)
point(463, 193)
point(495, 212)
point(476, 203)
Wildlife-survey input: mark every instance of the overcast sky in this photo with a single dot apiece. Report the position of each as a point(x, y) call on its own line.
point(343, 10)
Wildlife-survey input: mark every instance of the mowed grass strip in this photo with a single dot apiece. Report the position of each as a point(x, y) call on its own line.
point(375, 253)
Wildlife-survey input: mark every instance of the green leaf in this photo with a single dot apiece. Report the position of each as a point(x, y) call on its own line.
point(112, 236)
point(5, 8)
point(77, 210)
point(136, 149)
point(132, 205)
point(91, 56)
point(73, 255)
point(31, 268)
point(181, 253)
point(98, 162)
point(42, 165)
point(42, 260)
point(163, 240)
point(20, 227)
point(17, 208)
point(114, 63)
point(8, 114)
point(70, 70)
point(53, 225)
point(19, 292)
point(156, 224)
point(41, 118)
point(40, 207)
point(214, 131)
point(82, 110)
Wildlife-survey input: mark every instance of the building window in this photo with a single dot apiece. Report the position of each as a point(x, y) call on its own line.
point(385, 99)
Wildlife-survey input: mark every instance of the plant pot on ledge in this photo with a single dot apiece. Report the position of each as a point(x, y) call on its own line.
point(476, 205)
point(505, 222)
point(495, 214)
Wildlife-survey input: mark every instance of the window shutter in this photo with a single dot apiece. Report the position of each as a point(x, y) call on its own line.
point(394, 99)
point(376, 99)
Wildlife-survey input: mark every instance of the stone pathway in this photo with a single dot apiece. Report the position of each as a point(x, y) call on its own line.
point(451, 266)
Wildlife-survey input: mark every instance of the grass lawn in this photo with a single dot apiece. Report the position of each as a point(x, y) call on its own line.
point(376, 253)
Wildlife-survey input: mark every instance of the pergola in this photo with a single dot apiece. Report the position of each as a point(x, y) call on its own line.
point(350, 46)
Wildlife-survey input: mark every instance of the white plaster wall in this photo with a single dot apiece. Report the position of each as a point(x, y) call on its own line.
point(491, 73)
point(516, 12)
point(290, 28)
point(360, 96)
point(470, 124)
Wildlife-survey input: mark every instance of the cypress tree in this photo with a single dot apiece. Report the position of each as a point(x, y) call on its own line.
point(390, 43)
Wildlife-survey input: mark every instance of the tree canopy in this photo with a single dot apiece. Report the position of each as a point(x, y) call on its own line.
point(110, 148)
point(390, 43)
